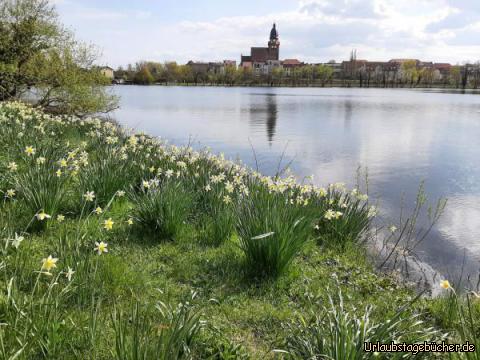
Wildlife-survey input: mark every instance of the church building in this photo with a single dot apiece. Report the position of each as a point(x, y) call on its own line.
point(261, 56)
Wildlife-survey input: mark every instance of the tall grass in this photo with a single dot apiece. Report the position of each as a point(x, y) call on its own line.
point(271, 232)
point(460, 314)
point(216, 220)
point(339, 334)
point(167, 334)
point(162, 210)
point(40, 185)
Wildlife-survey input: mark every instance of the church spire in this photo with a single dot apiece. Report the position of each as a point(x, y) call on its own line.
point(274, 43)
point(273, 33)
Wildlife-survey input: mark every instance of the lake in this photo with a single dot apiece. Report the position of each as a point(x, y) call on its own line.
point(402, 136)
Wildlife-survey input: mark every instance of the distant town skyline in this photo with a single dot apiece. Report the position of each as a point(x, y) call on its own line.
point(310, 30)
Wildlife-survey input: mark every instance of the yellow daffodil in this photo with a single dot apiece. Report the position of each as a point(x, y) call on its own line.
point(98, 210)
point(29, 150)
point(101, 247)
point(445, 284)
point(42, 216)
point(130, 221)
point(108, 224)
point(59, 173)
point(60, 218)
point(49, 263)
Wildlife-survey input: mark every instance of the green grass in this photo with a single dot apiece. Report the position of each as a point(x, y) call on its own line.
point(265, 263)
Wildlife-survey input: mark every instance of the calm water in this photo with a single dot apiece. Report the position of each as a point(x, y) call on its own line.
point(402, 136)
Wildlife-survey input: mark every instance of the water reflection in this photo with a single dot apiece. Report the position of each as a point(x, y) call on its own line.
point(264, 110)
point(402, 136)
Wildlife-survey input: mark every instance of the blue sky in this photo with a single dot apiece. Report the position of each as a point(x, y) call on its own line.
point(310, 30)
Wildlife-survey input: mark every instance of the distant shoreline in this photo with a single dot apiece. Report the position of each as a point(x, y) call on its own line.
point(470, 90)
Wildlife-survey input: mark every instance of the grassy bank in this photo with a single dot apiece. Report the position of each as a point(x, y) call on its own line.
point(116, 245)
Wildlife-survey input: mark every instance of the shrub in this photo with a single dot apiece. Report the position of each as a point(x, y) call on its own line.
point(162, 209)
point(340, 334)
point(170, 336)
point(271, 232)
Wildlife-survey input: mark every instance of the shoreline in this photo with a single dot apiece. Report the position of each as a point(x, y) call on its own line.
point(300, 86)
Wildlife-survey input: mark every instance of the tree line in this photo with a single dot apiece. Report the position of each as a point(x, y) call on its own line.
point(148, 72)
point(407, 74)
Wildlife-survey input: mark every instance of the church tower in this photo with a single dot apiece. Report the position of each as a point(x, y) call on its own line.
point(274, 44)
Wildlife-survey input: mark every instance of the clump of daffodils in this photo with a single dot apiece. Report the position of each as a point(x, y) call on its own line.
point(332, 215)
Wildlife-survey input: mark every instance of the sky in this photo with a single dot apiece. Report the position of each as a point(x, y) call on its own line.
point(309, 30)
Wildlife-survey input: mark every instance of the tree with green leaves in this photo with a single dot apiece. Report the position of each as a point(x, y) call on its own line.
point(323, 73)
point(41, 60)
point(144, 76)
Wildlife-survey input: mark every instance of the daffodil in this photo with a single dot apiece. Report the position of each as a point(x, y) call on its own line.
point(445, 284)
point(69, 273)
point(12, 166)
point(227, 199)
point(89, 196)
point(98, 210)
point(229, 187)
point(101, 247)
point(108, 224)
point(330, 214)
point(42, 216)
point(49, 263)
point(59, 173)
point(41, 160)
point(29, 150)
point(392, 228)
point(120, 193)
point(130, 221)
point(372, 211)
point(17, 241)
point(10, 193)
